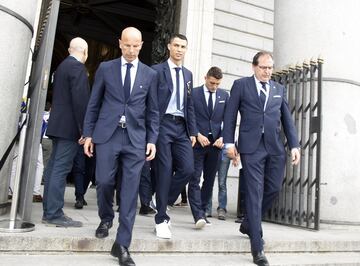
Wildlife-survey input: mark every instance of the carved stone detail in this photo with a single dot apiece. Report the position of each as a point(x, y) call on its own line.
point(164, 27)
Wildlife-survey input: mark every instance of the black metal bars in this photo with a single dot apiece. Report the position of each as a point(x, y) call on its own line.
point(298, 202)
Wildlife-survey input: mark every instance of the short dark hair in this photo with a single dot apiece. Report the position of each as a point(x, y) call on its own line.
point(215, 72)
point(177, 35)
point(255, 61)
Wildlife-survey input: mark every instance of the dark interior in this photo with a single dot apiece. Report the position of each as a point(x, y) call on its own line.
point(100, 23)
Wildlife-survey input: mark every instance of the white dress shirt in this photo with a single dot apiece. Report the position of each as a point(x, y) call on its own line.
point(206, 93)
point(260, 88)
point(133, 70)
point(171, 109)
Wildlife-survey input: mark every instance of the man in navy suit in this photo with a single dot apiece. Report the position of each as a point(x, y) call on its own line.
point(174, 162)
point(70, 97)
point(209, 104)
point(122, 120)
point(264, 112)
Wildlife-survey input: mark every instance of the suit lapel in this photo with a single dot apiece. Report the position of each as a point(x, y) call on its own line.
point(116, 68)
point(167, 75)
point(137, 80)
point(254, 92)
point(272, 89)
point(217, 99)
point(187, 82)
point(203, 100)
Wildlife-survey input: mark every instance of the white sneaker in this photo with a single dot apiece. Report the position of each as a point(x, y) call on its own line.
point(200, 223)
point(163, 230)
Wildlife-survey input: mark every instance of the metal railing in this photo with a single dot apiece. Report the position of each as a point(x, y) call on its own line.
point(299, 200)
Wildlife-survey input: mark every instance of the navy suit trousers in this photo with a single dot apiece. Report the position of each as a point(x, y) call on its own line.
point(206, 161)
point(174, 164)
point(147, 184)
point(263, 175)
point(82, 173)
point(119, 151)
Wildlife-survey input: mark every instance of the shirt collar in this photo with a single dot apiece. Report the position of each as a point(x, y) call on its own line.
point(134, 62)
point(206, 90)
point(258, 81)
point(172, 65)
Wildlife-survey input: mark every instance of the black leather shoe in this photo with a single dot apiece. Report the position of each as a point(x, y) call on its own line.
point(145, 210)
point(80, 203)
point(103, 229)
point(245, 231)
point(260, 259)
point(123, 254)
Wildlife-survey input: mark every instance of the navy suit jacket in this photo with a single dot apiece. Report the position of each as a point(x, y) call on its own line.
point(165, 90)
point(202, 114)
point(244, 98)
point(107, 104)
point(70, 97)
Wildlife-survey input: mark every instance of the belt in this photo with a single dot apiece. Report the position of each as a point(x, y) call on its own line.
point(175, 118)
point(122, 124)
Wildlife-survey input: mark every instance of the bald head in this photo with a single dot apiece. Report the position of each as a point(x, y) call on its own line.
point(79, 48)
point(131, 32)
point(130, 43)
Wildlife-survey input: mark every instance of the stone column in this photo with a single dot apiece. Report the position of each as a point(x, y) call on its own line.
point(309, 29)
point(18, 16)
point(197, 23)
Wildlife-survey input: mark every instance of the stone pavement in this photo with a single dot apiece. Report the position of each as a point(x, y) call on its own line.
point(218, 244)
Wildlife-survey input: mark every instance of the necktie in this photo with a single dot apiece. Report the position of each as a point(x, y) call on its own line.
point(177, 69)
point(263, 93)
point(127, 81)
point(210, 103)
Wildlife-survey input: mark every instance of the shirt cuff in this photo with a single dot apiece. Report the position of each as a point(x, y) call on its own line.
point(229, 145)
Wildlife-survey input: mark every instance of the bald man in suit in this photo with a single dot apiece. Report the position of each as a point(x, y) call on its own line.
point(65, 128)
point(122, 121)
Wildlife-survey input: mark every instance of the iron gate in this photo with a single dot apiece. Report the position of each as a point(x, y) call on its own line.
point(299, 200)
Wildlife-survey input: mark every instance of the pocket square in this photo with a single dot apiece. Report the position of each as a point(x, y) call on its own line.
point(277, 96)
point(223, 101)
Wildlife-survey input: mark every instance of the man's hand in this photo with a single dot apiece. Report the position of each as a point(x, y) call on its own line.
point(193, 140)
point(295, 156)
point(89, 147)
point(150, 151)
point(219, 143)
point(231, 152)
point(81, 140)
point(204, 141)
point(236, 160)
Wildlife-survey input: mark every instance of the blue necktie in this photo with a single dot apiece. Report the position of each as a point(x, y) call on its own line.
point(263, 93)
point(127, 81)
point(177, 69)
point(210, 103)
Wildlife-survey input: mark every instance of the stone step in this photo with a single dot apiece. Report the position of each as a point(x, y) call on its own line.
point(179, 259)
point(229, 243)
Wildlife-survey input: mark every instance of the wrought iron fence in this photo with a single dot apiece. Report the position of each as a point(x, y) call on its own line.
point(299, 201)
